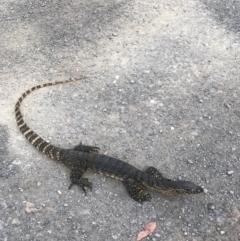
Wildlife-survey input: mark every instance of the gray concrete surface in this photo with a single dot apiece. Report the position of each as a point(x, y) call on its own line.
point(163, 90)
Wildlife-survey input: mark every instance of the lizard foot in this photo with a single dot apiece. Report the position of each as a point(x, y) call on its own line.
point(152, 171)
point(82, 182)
point(136, 191)
point(77, 179)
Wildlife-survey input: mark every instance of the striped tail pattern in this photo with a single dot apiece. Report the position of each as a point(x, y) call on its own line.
point(42, 145)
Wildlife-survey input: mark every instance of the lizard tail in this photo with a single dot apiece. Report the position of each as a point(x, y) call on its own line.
point(42, 145)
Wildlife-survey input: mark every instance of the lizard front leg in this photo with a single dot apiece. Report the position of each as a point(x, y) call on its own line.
point(154, 172)
point(137, 191)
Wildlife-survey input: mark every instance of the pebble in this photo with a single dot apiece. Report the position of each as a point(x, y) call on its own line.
point(15, 221)
point(39, 184)
point(211, 206)
point(16, 162)
point(231, 192)
point(190, 161)
point(114, 236)
point(59, 192)
point(230, 172)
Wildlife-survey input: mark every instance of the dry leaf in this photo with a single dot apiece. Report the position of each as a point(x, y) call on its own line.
point(149, 228)
point(142, 235)
point(30, 207)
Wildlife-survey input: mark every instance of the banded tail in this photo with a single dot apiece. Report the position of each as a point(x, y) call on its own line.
point(42, 145)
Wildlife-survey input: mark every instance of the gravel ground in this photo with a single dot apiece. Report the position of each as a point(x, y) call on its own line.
point(163, 90)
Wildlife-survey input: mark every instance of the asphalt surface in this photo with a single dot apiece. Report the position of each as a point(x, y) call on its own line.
point(163, 90)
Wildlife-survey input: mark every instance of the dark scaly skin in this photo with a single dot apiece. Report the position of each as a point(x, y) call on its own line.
point(83, 158)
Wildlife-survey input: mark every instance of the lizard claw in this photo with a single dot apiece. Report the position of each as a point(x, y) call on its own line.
point(83, 183)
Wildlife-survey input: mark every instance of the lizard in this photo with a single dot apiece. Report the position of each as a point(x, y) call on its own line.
point(84, 158)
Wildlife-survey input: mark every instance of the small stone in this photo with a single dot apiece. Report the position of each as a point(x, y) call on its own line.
point(230, 172)
point(132, 81)
point(185, 233)
point(59, 192)
point(172, 128)
point(65, 204)
point(190, 161)
point(222, 232)
point(194, 133)
point(114, 236)
point(231, 192)
point(39, 184)
point(15, 221)
point(16, 162)
point(157, 235)
point(211, 206)
point(133, 221)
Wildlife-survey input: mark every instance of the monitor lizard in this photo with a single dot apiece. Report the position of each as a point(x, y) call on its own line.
point(86, 158)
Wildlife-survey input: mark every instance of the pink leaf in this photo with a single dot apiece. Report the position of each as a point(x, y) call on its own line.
point(142, 235)
point(149, 228)
point(30, 207)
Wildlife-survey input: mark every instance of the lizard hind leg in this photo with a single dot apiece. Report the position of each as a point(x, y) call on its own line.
point(83, 148)
point(136, 191)
point(77, 179)
point(152, 171)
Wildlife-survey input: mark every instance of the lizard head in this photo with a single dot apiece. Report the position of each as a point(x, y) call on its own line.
point(180, 187)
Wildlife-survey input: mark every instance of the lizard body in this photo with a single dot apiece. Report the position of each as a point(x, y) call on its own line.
point(83, 158)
